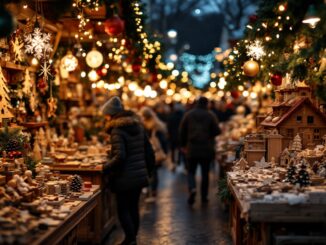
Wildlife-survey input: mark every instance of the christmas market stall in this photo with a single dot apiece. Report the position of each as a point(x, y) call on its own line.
point(276, 186)
point(59, 62)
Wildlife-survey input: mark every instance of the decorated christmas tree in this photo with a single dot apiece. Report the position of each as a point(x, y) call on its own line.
point(284, 38)
point(297, 145)
point(291, 174)
point(5, 105)
point(303, 176)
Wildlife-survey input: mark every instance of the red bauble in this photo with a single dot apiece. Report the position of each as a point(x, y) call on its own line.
point(235, 94)
point(136, 67)
point(276, 79)
point(114, 26)
point(41, 84)
point(253, 18)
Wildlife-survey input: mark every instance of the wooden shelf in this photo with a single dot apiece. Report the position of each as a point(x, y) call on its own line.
point(34, 124)
point(13, 66)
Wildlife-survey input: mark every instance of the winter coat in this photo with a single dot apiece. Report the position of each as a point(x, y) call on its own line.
point(198, 130)
point(131, 159)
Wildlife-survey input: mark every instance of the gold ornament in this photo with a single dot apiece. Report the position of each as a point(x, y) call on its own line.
point(251, 68)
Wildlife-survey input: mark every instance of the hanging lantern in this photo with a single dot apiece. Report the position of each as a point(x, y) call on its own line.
point(93, 76)
point(311, 17)
point(276, 79)
point(114, 26)
point(69, 62)
point(94, 58)
point(251, 68)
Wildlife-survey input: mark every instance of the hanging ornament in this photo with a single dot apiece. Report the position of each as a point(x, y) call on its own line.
point(17, 47)
point(251, 68)
point(94, 58)
point(69, 62)
point(7, 22)
point(235, 94)
point(52, 106)
point(253, 18)
point(37, 43)
point(42, 85)
point(255, 50)
point(46, 71)
point(136, 67)
point(276, 79)
point(114, 26)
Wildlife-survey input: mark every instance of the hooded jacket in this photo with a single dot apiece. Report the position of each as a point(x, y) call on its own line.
point(131, 157)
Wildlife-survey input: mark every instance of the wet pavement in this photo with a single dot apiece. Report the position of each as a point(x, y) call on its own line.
point(170, 221)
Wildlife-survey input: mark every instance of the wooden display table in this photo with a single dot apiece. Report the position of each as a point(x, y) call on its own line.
point(65, 232)
point(265, 223)
point(104, 211)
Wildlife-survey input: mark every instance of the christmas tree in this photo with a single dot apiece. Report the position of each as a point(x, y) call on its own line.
point(27, 83)
point(76, 183)
point(297, 145)
point(303, 176)
point(282, 39)
point(5, 105)
point(290, 175)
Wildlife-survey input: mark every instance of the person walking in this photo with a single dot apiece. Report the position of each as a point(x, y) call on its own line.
point(198, 130)
point(130, 163)
point(156, 131)
point(173, 125)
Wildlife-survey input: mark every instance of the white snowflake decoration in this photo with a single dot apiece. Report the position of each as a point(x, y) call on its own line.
point(38, 43)
point(256, 50)
point(45, 70)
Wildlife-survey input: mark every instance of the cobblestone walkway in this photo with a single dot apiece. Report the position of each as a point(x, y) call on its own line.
point(170, 221)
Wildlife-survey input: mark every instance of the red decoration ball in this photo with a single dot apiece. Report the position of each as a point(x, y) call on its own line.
point(41, 84)
point(235, 94)
point(114, 26)
point(253, 18)
point(276, 79)
point(136, 67)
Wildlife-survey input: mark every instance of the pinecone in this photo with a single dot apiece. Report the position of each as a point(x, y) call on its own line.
point(76, 183)
point(12, 145)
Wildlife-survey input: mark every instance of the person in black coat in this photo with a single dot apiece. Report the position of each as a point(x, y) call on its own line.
point(173, 125)
point(130, 163)
point(198, 130)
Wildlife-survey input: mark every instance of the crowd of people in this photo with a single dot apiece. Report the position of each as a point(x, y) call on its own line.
point(143, 141)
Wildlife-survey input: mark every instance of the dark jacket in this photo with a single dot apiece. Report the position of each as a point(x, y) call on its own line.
point(173, 127)
point(198, 130)
point(131, 158)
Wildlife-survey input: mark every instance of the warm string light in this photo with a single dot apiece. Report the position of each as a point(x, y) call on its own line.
point(80, 5)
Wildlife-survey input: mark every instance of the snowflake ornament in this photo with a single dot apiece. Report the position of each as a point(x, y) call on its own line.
point(45, 71)
point(38, 43)
point(256, 50)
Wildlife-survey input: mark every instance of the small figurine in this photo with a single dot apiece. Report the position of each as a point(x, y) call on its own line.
point(28, 178)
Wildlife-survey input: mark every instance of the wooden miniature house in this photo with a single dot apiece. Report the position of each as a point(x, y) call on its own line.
point(295, 111)
point(254, 148)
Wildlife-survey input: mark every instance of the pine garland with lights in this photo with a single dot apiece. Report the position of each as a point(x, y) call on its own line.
point(289, 45)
